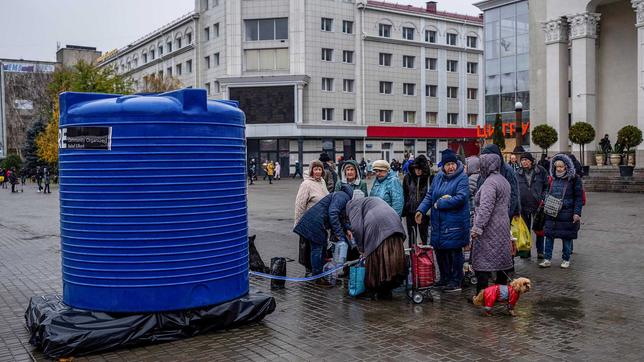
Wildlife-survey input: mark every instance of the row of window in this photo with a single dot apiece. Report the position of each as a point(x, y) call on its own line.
point(266, 29)
point(178, 70)
point(215, 89)
point(408, 61)
point(384, 30)
point(209, 32)
point(211, 61)
point(158, 51)
point(409, 89)
point(386, 116)
point(326, 24)
point(327, 55)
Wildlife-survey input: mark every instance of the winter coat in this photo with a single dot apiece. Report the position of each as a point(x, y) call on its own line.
point(450, 220)
point(326, 215)
point(533, 192)
point(270, 169)
point(492, 250)
point(357, 184)
point(330, 177)
point(415, 187)
point(562, 226)
point(473, 169)
point(372, 221)
point(278, 169)
point(390, 190)
point(309, 194)
point(507, 172)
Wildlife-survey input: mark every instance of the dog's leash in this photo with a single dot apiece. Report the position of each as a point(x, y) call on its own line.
point(306, 279)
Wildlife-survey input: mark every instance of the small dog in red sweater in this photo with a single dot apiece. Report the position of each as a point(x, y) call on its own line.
point(503, 293)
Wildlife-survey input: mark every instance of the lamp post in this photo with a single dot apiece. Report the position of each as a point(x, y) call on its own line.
point(518, 108)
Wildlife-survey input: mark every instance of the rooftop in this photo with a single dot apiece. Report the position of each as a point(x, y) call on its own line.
point(429, 10)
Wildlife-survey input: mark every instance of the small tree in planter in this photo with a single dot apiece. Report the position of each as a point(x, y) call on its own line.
point(629, 137)
point(544, 136)
point(581, 133)
point(498, 137)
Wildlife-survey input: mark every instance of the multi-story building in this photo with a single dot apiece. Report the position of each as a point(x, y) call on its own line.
point(362, 79)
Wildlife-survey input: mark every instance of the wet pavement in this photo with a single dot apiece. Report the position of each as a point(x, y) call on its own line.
point(593, 311)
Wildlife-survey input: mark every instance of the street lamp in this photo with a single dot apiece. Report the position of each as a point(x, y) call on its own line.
point(518, 108)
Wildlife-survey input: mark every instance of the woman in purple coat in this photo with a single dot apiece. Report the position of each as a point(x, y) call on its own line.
point(491, 245)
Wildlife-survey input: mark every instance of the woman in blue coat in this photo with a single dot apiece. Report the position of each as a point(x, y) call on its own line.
point(448, 198)
point(567, 186)
point(387, 186)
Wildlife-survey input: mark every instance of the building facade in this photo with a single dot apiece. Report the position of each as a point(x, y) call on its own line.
point(360, 79)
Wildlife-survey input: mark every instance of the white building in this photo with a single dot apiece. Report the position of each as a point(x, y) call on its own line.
point(352, 78)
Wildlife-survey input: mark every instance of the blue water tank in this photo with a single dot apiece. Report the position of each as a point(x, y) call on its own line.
point(153, 211)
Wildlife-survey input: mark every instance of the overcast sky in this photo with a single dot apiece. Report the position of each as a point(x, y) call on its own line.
point(30, 29)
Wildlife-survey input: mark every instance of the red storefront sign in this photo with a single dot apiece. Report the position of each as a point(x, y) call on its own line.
point(420, 132)
point(508, 129)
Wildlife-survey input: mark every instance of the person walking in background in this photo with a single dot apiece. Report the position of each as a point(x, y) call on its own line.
point(39, 177)
point(298, 169)
point(330, 176)
point(415, 186)
point(270, 171)
point(265, 169)
point(533, 185)
point(13, 179)
point(278, 170)
point(47, 178)
point(514, 163)
point(606, 148)
point(23, 179)
point(448, 199)
point(363, 169)
point(252, 170)
point(387, 186)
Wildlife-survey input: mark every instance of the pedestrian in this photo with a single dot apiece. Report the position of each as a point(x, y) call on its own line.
point(13, 179)
point(472, 169)
point(39, 177)
point(387, 186)
point(567, 187)
point(311, 191)
point(544, 162)
point(507, 172)
point(265, 169)
point(278, 170)
point(491, 237)
point(350, 176)
point(415, 186)
point(47, 178)
point(448, 199)
point(2, 180)
point(405, 167)
point(369, 168)
point(379, 236)
point(363, 169)
point(270, 171)
point(514, 163)
point(326, 214)
point(533, 184)
point(252, 170)
point(330, 176)
point(606, 148)
point(23, 179)
point(298, 169)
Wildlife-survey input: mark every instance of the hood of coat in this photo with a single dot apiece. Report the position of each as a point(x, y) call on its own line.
point(570, 166)
point(473, 165)
point(419, 162)
point(490, 163)
point(492, 148)
point(460, 168)
point(344, 176)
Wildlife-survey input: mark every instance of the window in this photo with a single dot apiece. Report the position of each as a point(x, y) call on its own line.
point(452, 118)
point(451, 39)
point(152, 54)
point(385, 59)
point(472, 67)
point(216, 86)
point(409, 89)
point(169, 46)
point(348, 115)
point(207, 86)
point(408, 61)
point(189, 66)
point(327, 114)
point(471, 42)
point(431, 90)
point(385, 87)
point(178, 41)
point(160, 50)
point(347, 27)
point(452, 65)
point(266, 59)
point(430, 36)
point(327, 84)
point(206, 34)
point(169, 71)
point(189, 38)
point(430, 63)
point(207, 61)
point(472, 119)
point(472, 93)
point(384, 30)
point(452, 92)
point(178, 69)
point(326, 24)
point(347, 85)
point(347, 56)
point(145, 57)
point(262, 29)
point(385, 115)
point(408, 33)
point(409, 117)
point(215, 59)
point(327, 54)
point(215, 30)
point(431, 117)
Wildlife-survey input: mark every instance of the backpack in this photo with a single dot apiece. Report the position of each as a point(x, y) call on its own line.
point(583, 192)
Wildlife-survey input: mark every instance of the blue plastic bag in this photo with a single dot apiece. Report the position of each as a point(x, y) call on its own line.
point(356, 279)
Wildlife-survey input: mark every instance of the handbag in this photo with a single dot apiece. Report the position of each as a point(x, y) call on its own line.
point(356, 279)
point(552, 205)
point(539, 221)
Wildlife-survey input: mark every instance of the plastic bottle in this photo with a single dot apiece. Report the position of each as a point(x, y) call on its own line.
point(330, 265)
point(340, 252)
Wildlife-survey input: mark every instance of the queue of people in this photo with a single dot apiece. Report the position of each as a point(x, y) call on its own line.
point(14, 178)
point(467, 204)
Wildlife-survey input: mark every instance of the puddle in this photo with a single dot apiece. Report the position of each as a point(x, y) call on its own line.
point(560, 308)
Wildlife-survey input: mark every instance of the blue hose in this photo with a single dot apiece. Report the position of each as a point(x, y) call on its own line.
point(307, 279)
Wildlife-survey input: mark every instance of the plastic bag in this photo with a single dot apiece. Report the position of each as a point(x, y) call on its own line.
point(255, 261)
point(522, 233)
point(356, 280)
point(278, 267)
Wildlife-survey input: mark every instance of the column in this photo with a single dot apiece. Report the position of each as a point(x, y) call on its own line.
point(583, 32)
point(639, 9)
point(299, 106)
point(423, 78)
point(556, 32)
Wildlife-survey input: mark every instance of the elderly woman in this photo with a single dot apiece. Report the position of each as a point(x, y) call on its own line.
point(491, 244)
point(350, 176)
point(415, 186)
point(567, 187)
point(379, 235)
point(387, 186)
point(311, 190)
point(448, 199)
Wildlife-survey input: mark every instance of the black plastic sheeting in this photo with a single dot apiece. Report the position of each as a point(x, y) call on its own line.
point(59, 330)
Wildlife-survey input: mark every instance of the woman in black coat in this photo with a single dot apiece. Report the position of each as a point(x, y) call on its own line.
point(415, 185)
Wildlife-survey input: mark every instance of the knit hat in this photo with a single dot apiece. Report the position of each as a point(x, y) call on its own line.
point(324, 157)
point(381, 165)
point(448, 156)
point(528, 156)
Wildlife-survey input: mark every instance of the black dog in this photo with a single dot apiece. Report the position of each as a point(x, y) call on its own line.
point(255, 261)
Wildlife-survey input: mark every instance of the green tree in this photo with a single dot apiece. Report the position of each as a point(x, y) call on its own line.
point(12, 161)
point(498, 137)
point(544, 136)
point(29, 149)
point(581, 133)
point(629, 137)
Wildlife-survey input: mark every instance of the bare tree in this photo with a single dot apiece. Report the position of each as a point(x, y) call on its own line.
point(152, 84)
